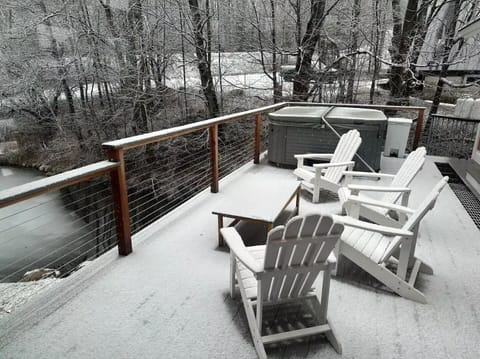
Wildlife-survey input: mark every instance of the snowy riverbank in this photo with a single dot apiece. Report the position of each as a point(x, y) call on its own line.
point(14, 295)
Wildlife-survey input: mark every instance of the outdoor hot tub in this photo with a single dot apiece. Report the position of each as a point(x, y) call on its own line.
point(300, 129)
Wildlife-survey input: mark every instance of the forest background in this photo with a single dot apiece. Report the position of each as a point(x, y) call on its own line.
point(76, 73)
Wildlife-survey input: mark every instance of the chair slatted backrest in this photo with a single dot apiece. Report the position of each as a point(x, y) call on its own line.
point(409, 169)
point(346, 148)
point(295, 254)
point(427, 204)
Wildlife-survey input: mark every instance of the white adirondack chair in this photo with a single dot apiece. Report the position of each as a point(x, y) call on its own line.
point(397, 190)
point(328, 175)
point(284, 270)
point(387, 253)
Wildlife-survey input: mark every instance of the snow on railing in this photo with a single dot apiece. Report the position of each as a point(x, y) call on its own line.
point(56, 222)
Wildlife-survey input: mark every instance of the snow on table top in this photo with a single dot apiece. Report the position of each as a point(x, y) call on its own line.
point(256, 198)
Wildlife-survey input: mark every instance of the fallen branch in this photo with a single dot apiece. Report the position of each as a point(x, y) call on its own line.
point(460, 86)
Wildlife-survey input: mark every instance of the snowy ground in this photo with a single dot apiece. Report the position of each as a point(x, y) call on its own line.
point(232, 71)
point(15, 295)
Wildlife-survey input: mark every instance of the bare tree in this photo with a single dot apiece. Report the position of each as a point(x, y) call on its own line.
point(450, 26)
point(303, 67)
point(353, 47)
point(202, 53)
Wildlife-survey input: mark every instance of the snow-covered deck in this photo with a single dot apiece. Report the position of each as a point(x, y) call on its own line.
point(169, 298)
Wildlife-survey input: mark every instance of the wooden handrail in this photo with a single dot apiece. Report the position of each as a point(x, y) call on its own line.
point(35, 188)
point(383, 107)
point(455, 118)
point(147, 138)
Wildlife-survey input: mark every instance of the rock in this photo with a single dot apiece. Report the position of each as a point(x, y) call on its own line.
point(40, 273)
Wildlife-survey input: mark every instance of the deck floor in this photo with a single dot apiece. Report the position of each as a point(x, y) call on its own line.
point(169, 298)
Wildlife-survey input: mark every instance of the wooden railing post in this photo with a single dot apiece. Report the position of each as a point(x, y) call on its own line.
point(418, 129)
point(120, 202)
point(213, 140)
point(256, 153)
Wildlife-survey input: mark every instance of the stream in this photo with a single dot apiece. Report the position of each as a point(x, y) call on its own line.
point(38, 232)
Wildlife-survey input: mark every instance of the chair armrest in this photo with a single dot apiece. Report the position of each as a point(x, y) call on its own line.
point(389, 231)
point(337, 164)
point(368, 174)
point(313, 156)
point(236, 245)
point(357, 188)
point(375, 203)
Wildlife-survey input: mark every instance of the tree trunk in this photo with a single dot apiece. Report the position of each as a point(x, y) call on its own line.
point(277, 88)
point(354, 47)
point(203, 66)
point(54, 48)
point(219, 49)
point(136, 64)
point(113, 30)
point(401, 43)
point(376, 43)
point(184, 64)
point(298, 23)
point(303, 67)
point(209, 34)
point(446, 57)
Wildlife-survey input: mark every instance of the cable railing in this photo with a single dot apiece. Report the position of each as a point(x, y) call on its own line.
point(61, 221)
point(57, 222)
point(162, 176)
point(237, 144)
point(451, 136)
point(166, 168)
point(145, 177)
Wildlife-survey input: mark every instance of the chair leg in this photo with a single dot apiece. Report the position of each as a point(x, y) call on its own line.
point(233, 266)
point(259, 307)
point(425, 268)
point(316, 194)
point(323, 310)
point(332, 338)
point(325, 295)
point(403, 259)
point(339, 268)
point(252, 323)
point(384, 275)
point(330, 334)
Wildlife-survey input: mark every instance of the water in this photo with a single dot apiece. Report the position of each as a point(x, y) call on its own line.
point(39, 232)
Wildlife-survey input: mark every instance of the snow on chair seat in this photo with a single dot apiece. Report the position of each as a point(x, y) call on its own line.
point(283, 272)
